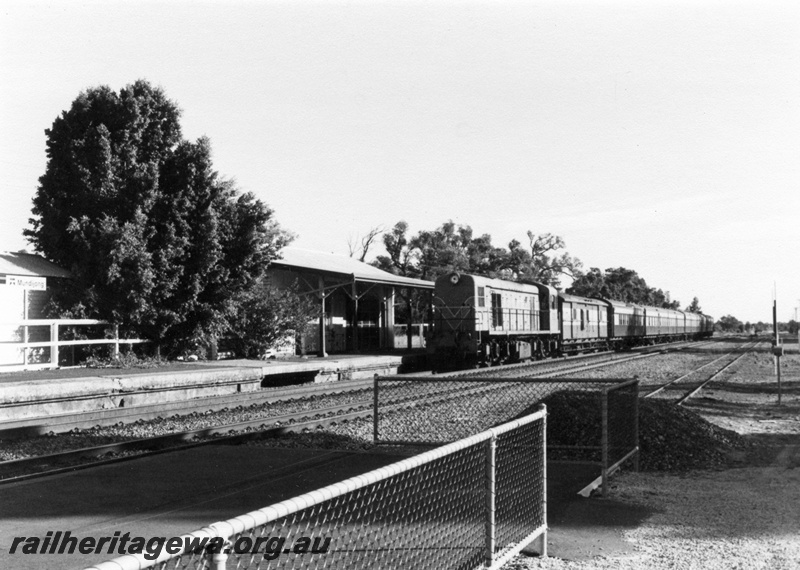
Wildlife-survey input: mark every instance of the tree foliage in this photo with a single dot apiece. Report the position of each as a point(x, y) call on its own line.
point(729, 323)
point(454, 248)
point(694, 307)
point(620, 284)
point(541, 263)
point(154, 238)
point(265, 316)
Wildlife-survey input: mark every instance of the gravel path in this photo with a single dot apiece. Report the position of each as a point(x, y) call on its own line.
point(744, 517)
point(738, 518)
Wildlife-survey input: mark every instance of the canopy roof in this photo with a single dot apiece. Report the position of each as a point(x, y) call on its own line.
point(29, 264)
point(341, 266)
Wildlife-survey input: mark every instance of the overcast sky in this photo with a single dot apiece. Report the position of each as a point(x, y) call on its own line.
point(659, 136)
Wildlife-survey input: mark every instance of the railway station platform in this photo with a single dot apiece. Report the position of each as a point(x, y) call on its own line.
point(38, 394)
point(178, 492)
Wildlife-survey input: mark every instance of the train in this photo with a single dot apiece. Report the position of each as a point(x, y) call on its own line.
point(480, 321)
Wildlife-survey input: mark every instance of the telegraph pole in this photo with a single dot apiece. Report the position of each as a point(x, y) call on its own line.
point(777, 348)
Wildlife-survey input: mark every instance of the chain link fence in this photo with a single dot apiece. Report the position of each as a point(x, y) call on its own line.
point(474, 503)
point(591, 420)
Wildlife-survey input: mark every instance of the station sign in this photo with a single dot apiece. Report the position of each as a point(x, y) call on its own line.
point(27, 282)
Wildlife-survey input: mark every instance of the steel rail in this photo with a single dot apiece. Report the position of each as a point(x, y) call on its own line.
point(280, 424)
point(694, 391)
point(608, 354)
point(60, 423)
point(674, 381)
point(178, 440)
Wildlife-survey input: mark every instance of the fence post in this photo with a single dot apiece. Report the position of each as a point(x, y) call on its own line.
point(25, 349)
point(54, 344)
point(604, 441)
point(25, 338)
point(375, 410)
point(491, 491)
point(542, 540)
point(218, 559)
point(636, 425)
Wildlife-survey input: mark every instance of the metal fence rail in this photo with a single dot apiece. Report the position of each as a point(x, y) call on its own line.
point(591, 421)
point(473, 503)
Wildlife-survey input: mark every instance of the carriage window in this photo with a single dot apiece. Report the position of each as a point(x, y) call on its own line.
point(497, 310)
point(583, 326)
point(481, 296)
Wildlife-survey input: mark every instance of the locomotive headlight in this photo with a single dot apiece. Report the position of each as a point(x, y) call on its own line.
point(454, 278)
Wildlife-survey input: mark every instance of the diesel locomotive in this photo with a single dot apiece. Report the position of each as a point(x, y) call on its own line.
point(479, 321)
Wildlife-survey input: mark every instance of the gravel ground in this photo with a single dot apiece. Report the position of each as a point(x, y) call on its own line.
point(740, 510)
point(745, 516)
point(738, 518)
point(80, 438)
point(659, 369)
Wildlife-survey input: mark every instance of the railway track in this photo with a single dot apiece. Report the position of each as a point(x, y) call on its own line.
point(62, 423)
point(579, 363)
point(693, 387)
point(39, 465)
point(65, 461)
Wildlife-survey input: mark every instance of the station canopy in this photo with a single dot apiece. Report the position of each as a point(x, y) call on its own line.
point(29, 265)
point(345, 268)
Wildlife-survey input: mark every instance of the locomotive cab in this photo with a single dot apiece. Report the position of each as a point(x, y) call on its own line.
point(484, 321)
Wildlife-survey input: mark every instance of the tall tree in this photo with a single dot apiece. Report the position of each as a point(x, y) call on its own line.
point(452, 247)
point(442, 250)
point(729, 323)
point(620, 284)
point(541, 262)
point(694, 306)
point(401, 258)
point(359, 246)
point(153, 237)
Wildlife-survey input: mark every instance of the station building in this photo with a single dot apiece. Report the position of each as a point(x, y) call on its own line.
point(359, 302)
point(26, 281)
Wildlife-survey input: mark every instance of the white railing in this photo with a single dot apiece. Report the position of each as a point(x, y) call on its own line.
point(53, 343)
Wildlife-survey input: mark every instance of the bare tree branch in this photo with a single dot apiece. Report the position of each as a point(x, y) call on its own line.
point(358, 246)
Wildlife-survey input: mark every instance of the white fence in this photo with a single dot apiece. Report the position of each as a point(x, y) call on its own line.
point(34, 344)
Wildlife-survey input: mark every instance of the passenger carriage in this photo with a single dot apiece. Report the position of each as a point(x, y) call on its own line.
point(663, 325)
point(625, 324)
point(584, 323)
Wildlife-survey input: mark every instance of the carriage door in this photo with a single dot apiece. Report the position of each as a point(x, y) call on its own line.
point(497, 311)
point(599, 332)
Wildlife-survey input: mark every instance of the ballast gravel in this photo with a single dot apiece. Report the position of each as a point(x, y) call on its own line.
point(745, 519)
point(80, 438)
